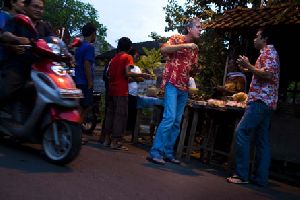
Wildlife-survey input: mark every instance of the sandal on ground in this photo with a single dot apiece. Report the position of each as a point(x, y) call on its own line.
point(236, 180)
point(84, 140)
point(118, 147)
point(172, 160)
point(158, 161)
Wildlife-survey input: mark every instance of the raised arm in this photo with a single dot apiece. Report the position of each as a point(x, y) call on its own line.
point(246, 66)
point(168, 48)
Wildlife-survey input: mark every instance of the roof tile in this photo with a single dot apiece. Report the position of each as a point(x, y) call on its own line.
point(256, 17)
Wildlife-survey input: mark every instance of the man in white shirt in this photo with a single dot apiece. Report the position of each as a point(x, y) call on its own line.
point(133, 87)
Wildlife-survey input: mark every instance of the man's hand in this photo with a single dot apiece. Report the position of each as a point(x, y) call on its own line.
point(8, 37)
point(244, 64)
point(23, 40)
point(177, 47)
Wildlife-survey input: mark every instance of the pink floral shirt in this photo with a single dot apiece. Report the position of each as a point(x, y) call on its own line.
point(264, 90)
point(179, 64)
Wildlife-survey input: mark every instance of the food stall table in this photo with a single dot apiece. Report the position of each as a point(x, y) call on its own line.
point(193, 110)
point(145, 102)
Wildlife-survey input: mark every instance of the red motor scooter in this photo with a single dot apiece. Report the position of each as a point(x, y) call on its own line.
point(47, 113)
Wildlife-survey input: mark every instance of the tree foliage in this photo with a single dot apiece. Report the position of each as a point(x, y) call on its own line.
point(150, 60)
point(176, 15)
point(73, 14)
point(157, 37)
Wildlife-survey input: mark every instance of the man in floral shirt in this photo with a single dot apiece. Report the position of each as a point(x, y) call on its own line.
point(262, 99)
point(182, 59)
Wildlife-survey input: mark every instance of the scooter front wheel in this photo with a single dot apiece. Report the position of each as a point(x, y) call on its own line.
point(62, 141)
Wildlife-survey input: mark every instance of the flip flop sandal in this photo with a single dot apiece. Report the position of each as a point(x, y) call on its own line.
point(236, 180)
point(156, 160)
point(119, 147)
point(84, 140)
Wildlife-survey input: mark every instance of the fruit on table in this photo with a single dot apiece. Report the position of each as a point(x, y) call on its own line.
point(240, 97)
point(193, 91)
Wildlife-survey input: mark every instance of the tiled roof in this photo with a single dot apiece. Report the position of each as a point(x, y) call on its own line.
point(244, 18)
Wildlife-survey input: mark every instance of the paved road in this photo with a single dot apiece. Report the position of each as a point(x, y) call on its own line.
point(105, 174)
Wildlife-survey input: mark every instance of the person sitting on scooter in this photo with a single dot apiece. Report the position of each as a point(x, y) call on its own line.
point(9, 81)
point(16, 71)
point(9, 9)
point(35, 10)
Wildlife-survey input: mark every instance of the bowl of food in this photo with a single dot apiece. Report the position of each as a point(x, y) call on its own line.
point(193, 91)
point(240, 97)
point(152, 92)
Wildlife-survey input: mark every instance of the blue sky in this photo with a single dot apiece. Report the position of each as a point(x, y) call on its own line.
point(135, 19)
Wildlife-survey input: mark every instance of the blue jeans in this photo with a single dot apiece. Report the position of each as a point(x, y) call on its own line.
point(254, 125)
point(168, 129)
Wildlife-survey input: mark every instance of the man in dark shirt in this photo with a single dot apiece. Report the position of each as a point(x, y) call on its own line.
point(84, 70)
point(9, 81)
point(35, 10)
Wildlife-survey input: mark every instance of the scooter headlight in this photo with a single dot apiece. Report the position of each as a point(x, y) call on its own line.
point(59, 70)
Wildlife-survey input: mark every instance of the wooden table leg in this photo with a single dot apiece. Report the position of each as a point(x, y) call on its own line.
point(232, 146)
point(183, 133)
point(192, 135)
point(213, 140)
point(137, 126)
point(205, 147)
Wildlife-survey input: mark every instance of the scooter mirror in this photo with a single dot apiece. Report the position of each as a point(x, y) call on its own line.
point(43, 47)
point(75, 43)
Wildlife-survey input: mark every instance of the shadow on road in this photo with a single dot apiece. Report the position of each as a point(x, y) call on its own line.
point(27, 158)
point(179, 169)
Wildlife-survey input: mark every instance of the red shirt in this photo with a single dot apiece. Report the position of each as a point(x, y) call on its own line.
point(179, 64)
point(118, 81)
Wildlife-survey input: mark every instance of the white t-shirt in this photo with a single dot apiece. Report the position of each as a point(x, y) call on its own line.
point(133, 86)
point(192, 83)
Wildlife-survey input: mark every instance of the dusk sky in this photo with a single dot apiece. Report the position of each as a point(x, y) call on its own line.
point(135, 19)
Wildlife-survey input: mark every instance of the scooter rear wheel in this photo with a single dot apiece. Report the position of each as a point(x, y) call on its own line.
point(69, 141)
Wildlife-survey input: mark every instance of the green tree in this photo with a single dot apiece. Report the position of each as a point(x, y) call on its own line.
point(150, 61)
point(176, 15)
point(73, 14)
point(157, 37)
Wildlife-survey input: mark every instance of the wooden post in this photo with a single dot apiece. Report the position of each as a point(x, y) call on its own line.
point(225, 70)
point(183, 132)
point(137, 126)
point(192, 135)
